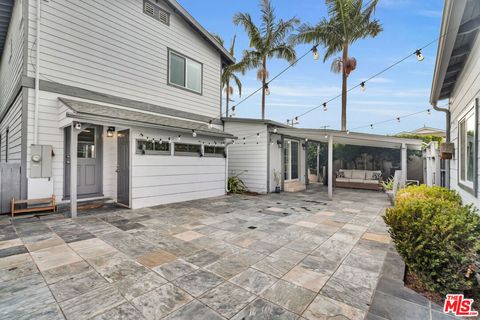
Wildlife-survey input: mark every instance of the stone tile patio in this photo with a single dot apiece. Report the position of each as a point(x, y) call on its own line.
point(286, 256)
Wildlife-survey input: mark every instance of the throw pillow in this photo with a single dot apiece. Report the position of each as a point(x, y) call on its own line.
point(376, 175)
point(340, 174)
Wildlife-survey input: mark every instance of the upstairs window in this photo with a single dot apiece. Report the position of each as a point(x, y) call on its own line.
point(154, 11)
point(185, 72)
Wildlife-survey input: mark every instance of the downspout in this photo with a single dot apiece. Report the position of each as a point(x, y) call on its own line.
point(268, 159)
point(447, 138)
point(37, 75)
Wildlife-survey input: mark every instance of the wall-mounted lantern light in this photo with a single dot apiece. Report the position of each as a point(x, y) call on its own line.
point(110, 132)
point(279, 144)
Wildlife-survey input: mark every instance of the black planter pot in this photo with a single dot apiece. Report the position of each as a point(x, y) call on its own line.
point(277, 189)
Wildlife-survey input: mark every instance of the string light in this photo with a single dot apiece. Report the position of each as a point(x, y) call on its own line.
point(267, 89)
point(179, 137)
point(348, 131)
point(428, 112)
point(371, 126)
point(194, 134)
point(363, 87)
point(398, 119)
point(325, 106)
point(244, 140)
point(210, 125)
point(419, 55)
point(316, 55)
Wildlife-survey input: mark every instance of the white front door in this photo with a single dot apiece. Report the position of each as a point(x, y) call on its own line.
point(291, 156)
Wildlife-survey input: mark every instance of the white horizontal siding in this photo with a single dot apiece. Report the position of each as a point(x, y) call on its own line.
point(249, 160)
point(112, 47)
point(11, 64)
point(13, 122)
point(467, 89)
point(160, 179)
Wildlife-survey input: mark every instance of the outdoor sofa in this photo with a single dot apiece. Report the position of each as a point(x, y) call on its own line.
point(359, 179)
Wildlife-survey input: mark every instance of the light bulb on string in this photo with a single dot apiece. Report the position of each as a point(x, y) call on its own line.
point(398, 119)
point(210, 125)
point(194, 134)
point(363, 87)
point(428, 112)
point(325, 106)
point(419, 55)
point(371, 126)
point(244, 140)
point(267, 89)
point(179, 137)
point(348, 131)
point(316, 55)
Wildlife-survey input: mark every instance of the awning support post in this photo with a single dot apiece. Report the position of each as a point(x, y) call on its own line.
point(73, 169)
point(330, 167)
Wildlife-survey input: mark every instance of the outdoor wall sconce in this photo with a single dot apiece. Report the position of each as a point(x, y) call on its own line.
point(110, 131)
point(279, 144)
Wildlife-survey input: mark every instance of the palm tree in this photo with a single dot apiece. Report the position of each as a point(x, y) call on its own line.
point(348, 22)
point(267, 40)
point(230, 73)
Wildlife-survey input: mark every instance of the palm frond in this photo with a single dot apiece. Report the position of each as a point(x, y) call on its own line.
point(232, 46)
point(251, 29)
point(218, 38)
point(284, 51)
point(238, 83)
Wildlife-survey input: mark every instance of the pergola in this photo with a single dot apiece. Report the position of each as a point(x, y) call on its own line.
point(353, 138)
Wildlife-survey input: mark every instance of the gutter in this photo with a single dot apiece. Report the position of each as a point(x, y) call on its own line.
point(447, 119)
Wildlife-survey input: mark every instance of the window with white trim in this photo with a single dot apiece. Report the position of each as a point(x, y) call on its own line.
point(187, 149)
point(467, 152)
point(213, 151)
point(184, 72)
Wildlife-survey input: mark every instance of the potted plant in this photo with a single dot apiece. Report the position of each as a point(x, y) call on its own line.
point(276, 177)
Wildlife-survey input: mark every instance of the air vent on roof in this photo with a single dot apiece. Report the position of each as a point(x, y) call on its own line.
point(156, 12)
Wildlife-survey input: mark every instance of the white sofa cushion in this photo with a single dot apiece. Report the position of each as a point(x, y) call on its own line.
point(348, 173)
point(343, 180)
point(358, 174)
point(370, 181)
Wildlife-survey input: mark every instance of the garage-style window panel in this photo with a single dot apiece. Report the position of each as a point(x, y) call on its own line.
point(467, 152)
point(213, 151)
point(187, 149)
point(152, 147)
point(185, 72)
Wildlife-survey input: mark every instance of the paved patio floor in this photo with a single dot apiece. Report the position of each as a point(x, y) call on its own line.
point(285, 256)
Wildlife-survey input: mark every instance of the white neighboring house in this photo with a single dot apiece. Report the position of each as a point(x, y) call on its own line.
point(426, 131)
point(457, 80)
point(116, 89)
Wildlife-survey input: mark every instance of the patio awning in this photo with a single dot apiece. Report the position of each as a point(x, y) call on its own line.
point(352, 138)
point(87, 111)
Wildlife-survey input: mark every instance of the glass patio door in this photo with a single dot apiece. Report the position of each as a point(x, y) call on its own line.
point(291, 158)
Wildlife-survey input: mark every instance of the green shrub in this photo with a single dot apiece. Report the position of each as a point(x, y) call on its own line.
point(424, 192)
point(388, 184)
point(438, 238)
point(236, 185)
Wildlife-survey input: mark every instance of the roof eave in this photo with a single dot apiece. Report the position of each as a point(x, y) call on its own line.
point(227, 58)
point(451, 20)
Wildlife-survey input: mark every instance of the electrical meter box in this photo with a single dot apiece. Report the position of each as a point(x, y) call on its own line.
point(41, 161)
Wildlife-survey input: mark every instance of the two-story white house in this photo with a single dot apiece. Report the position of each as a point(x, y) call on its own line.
point(111, 99)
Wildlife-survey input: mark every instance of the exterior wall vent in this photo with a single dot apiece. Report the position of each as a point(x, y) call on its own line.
point(156, 12)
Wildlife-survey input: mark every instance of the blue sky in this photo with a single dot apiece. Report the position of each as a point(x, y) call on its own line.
point(405, 89)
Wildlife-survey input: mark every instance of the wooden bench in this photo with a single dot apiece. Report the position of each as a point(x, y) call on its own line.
point(34, 205)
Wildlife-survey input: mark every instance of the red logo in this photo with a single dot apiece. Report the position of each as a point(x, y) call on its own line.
point(459, 306)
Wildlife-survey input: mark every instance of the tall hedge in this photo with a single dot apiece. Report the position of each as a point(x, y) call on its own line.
point(438, 238)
